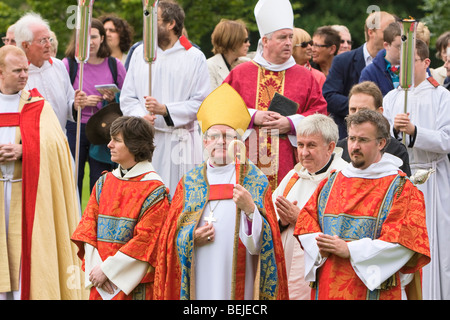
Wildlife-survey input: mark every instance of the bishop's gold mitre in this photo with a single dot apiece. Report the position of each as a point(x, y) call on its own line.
point(224, 106)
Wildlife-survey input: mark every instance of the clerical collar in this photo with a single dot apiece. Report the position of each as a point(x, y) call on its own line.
point(259, 59)
point(123, 172)
point(325, 168)
point(12, 94)
point(388, 165)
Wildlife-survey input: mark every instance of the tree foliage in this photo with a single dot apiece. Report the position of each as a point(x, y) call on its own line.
point(203, 15)
point(437, 17)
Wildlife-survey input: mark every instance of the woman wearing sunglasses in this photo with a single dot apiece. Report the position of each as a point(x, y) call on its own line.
point(302, 53)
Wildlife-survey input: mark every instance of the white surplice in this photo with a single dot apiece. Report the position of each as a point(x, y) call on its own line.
point(301, 191)
point(213, 261)
point(365, 253)
point(429, 109)
point(53, 83)
point(180, 80)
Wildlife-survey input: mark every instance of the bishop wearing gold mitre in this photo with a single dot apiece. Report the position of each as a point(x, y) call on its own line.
point(221, 239)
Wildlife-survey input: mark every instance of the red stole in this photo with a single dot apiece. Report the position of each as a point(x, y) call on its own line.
point(28, 120)
point(290, 184)
point(240, 252)
point(220, 192)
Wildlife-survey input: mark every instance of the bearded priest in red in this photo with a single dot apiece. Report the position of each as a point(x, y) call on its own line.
point(119, 230)
point(363, 230)
point(265, 82)
point(221, 240)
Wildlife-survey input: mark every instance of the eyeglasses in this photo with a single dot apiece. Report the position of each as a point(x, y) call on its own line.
point(321, 45)
point(304, 44)
point(43, 41)
point(349, 42)
point(8, 40)
point(215, 136)
point(361, 140)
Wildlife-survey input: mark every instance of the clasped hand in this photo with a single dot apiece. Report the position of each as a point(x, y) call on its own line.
point(154, 107)
point(272, 120)
point(100, 280)
point(287, 211)
point(10, 152)
point(402, 123)
point(332, 245)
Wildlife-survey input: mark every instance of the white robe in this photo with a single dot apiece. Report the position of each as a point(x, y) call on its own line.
point(373, 261)
point(213, 262)
point(301, 191)
point(53, 83)
point(125, 272)
point(180, 80)
point(429, 109)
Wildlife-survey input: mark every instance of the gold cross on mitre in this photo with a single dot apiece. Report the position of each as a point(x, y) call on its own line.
point(210, 218)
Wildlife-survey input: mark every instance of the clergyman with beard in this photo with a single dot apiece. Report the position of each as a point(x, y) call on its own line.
point(179, 84)
point(368, 215)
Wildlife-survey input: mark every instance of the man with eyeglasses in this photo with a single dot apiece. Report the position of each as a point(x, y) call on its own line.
point(221, 226)
point(346, 38)
point(9, 37)
point(363, 230)
point(46, 73)
point(271, 136)
point(346, 68)
point(367, 95)
point(385, 69)
point(424, 125)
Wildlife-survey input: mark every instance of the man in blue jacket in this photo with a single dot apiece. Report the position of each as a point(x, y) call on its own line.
point(346, 68)
point(384, 70)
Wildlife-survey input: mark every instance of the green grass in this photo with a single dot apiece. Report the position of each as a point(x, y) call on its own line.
point(86, 191)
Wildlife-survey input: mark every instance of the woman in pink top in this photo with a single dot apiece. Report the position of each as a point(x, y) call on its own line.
point(96, 71)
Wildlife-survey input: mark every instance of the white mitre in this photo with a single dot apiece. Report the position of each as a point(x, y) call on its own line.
point(273, 15)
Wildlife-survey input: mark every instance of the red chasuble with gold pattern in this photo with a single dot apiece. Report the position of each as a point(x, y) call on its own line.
point(128, 217)
point(273, 154)
point(390, 209)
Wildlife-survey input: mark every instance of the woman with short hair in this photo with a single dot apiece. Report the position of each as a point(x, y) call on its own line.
point(230, 47)
point(120, 227)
